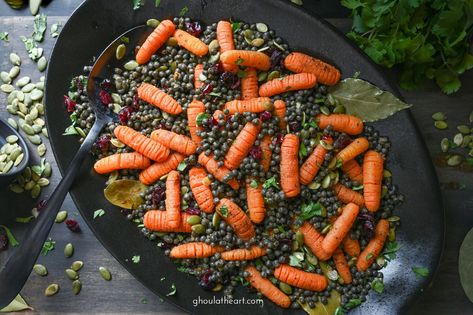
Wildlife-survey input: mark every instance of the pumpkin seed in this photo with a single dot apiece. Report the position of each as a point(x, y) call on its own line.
point(467, 140)
point(458, 139)
point(15, 154)
point(384, 191)
point(248, 34)
point(339, 109)
point(68, 252)
point(464, 129)
point(43, 182)
point(12, 110)
point(279, 46)
point(7, 167)
point(454, 160)
point(11, 139)
point(218, 287)
point(36, 128)
point(263, 49)
point(193, 219)
point(14, 72)
point(314, 185)
point(16, 188)
point(439, 116)
point(40, 85)
point(172, 41)
point(34, 111)
point(11, 97)
point(34, 139)
point(76, 287)
point(42, 64)
point(214, 46)
point(7, 88)
point(273, 75)
point(47, 170)
point(440, 124)
point(77, 265)
point(35, 177)
point(28, 100)
point(40, 270)
point(120, 52)
point(80, 132)
point(117, 143)
point(312, 259)
point(20, 96)
point(27, 173)
point(261, 27)
point(332, 274)
point(15, 59)
point(262, 76)
point(300, 238)
point(23, 81)
point(61, 216)
point(28, 88)
point(34, 6)
point(130, 65)
point(5, 77)
point(51, 289)
point(40, 108)
point(152, 23)
point(380, 261)
point(216, 219)
point(257, 42)
point(36, 95)
point(24, 109)
point(214, 58)
point(387, 173)
point(326, 181)
point(444, 145)
point(105, 273)
point(35, 191)
point(471, 151)
point(44, 131)
point(325, 110)
point(3, 157)
point(286, 288)
point(198, 229)
point(394, 218)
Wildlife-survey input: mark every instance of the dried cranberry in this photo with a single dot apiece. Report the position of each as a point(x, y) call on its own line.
point(342, 141)
point(103, 142)
point(208, 88)
point(276, 60)
point(136, 104)
point(265, 115)
point(285, 241)
point(70, 104)
point(194, 28)
point(230, 80)
point(256, 152)
point(216, 68)
point(3, 242)
point(278, 139)
point(41, 205)
point(73, 225)
point(125, 115)
point(157, 195)
point(214, 121)
point(295, 125)
point(205, 282)
point(368, 224)
point(193, 211)
point(105, 97)
point(106, 85)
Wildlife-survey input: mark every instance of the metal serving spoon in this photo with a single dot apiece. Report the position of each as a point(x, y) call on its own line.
point(17, 269)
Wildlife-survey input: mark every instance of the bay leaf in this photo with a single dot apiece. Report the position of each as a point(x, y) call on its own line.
point(125, 193)
point(18, 304)
point(465, 265)
point(324, 309)
point(365, 100)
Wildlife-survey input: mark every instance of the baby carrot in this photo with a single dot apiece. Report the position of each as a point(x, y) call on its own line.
point(372, 178)
point(353, 170)
point(266, 152)
point(347, 195)
point(374, 247)
point(195, 108)
point(159, 169)
point(191, 43)
point(242, 145)
point(358, 146)
point(201, 192)
point(142, 144)
point(173, 199)
point(158, 98)
point(340, 228)
point(254, 105)
point(220, 172)
point(313, 240)
point(289, 166)
point(342, 266)
point(312, 164)
point(299, 62)
point(301, 279)
point(246, 58)
point(174, 141)
point(155, 40)
point(351, 246)
point(120, 161)
point(249, 85)
point(293, 82)
point(236, 218)
point(157, 220)
point(280, 112)
point(255, 200)
point(266, 287)
point(341, 122)
point(197, 72)
point(244, 254)
point(194, 250)
point(217, 114)
point(225, 41)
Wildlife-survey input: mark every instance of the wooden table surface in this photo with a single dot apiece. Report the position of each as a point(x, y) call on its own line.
point(124, 294)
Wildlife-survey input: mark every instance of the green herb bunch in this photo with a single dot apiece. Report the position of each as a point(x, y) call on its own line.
point(428, 39)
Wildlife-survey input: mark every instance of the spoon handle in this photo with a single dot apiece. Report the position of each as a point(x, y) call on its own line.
point(17, 269)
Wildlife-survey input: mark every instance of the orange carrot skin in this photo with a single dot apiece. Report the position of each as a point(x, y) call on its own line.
point(341, 227)
point(194, 250)
point(255, 200)
point(236, 218)
point(158, 98)
point(301, 279)
point(280, 112)
point(372, 179)
point(266, 152)
point(244, 254)
point(299, 62)
point(174, 141)
point(312, 164)
point(353, 170)
point(142, 144)
point(313, 240)
point(154, 172)
point(293, 82)
point(191, 43)
point(289, 166)
point(348, 124)
point(173, 199)
point(226, 43)
point(347, 195)
point(374, 247)
point(266, 287)
point(157, 220)
point(342, 266)
point(254, 105)
point(249, 85)
point(195, 108)
point(197, 72)
point(351, 246)
point(351, 151)
point(246, 58)
point(219, 172)
point(202, 193)
point(155, 40)
point(120, 161)
point(242, 145)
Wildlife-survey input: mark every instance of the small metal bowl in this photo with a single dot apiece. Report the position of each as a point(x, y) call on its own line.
point(5, 131)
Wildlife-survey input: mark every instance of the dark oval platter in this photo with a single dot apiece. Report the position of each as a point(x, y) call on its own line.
point(97, 22)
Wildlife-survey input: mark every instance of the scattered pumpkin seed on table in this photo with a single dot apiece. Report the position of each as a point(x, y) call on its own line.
point(440, 124)
point(51, 290)
point(105, 273)
point(61, 216)
point(72, 274)
point(40, 270)
point(68, 250)
point(76, 287)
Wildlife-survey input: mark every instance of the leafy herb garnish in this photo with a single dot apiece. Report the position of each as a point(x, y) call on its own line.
point(224, 211)
point(236, 26)
point(4, 36)
point(138, 4)
point(54, 31)
point(420, 271)
point(157, 3)
point(182, 166)
point(253, 183)
point(271, 183)
point(378, 285)
point(310, 210)
point(199, 120)
point(296, 258)
point(32, 48)
point(173, 290)
point(99, 213)
point(24, 219)
point(390, 250)
point(39, 27)
point(353, 303)
point(302, 150)
point(184, 11)
point(239, 61)
point(241, 74)
point(11, 238)
point(48, 246)
point(136, 259)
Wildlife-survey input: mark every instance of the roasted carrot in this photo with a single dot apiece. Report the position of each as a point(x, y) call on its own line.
point(157, 220)
point(299, 62)
point(226, 43)
point(155, 40)
point(280, 112)
point(289, 166)
point(194, 250)
point(236, 218)
point(159, 169)
point(341, 122)
point(340, 228)
point(158, 98)
point(312, 164)
point(195, 108)
point(347, 195)
point(372, 179)
point(191, 43)
point(374, 247)
point(219, 173)
point(174, 141)
point(246, 58)
point(266, 152)
point(173, 199)
point(242, 145)
point(293, 82)
point(358, 146)
point(313, 240)
point(200, 190)
point(244, 254)
point(255, 201)
point(301, 279)
point(120, 161)
point(266, 287)
point(142, 144)
point(254, 105)
point(249, 85)
point(342, 266)
point(353, 170)
point(351, 246)
point(197, 72)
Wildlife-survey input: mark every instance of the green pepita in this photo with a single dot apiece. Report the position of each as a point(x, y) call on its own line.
point(314, 185)
point(325, 110)
point(198, 229)
point(214, 46)
point(257, 42)
point(35, 139)
point(117, 143)
point(216, 219)
point(120, 52)
point(193, 219)
point(61, 216)
point(36, 95)
point(440, 124)
point(444, 145)
point(15, 59)
point(51, 289)
point(47, 170)
point(5, 77)
point(15, 154)
point(80, 132)
point(172, 41)
point(467, 140)
point(339, 109)
point(27, 173)
point(7, 167)
point(384, 191)
point(68, 250)
point(273, 75)
point(44, 132)
point(326, 181)
point(23, 81)
point(286, 288)
point(130, 65)
point(16, 188)
point(77, 265)
point(40, 85)
point(40, 270)
point(71, 274)
point(300, 238)
point(43, 182)
point(464, 129)
point(394, 218)
point(454, 160)
point(42, 64)
point(214, 58)
point(11, 139)
point(28, 88)
point(262, 76)
point(380, 261)
point(439, 116)
point(458, 139)
point(12, 110)
point(35, 191)
point(41, 149)
point(105, 273)
point(14, 72)
point(76, 287)
point(20, 96)
point(387, 173)
point(6, 88)
point(152, 23)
